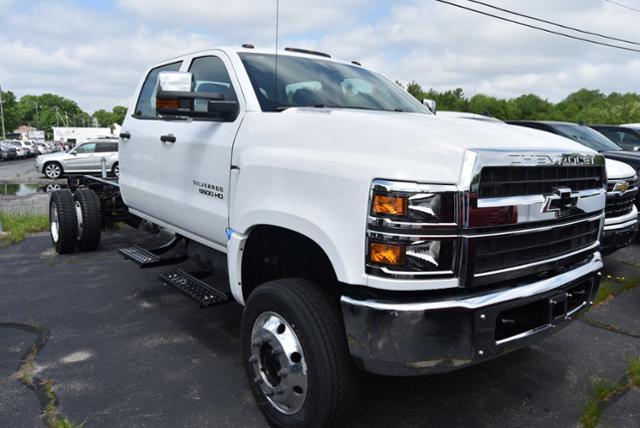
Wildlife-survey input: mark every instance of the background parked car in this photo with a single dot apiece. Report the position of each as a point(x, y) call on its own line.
point(83, 159)
point(625, 137)
point(7, 151)
point(21, 150)
point(27, 149)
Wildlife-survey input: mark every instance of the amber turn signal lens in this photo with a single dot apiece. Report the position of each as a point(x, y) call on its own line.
point(389, 205)
point(167, 103)
point(386, 254)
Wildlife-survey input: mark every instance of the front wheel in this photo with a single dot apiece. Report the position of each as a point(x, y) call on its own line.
point(116, 170)
point(295, 355)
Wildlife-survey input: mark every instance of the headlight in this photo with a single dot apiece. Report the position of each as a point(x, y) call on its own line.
point(412, 230)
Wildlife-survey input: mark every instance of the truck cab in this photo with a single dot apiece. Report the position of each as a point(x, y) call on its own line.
point(358, 229)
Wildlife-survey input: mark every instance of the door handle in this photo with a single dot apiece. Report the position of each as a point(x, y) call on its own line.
point(125, 135)
point(169, 138)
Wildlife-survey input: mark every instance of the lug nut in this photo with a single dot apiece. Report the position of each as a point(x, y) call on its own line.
point(269, 393)
point(279, 390)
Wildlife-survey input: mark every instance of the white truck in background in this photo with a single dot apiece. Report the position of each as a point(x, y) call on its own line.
point(359, 230)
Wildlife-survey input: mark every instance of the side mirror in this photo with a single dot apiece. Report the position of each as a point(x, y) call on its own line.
point(175, 98)
point(430, 104)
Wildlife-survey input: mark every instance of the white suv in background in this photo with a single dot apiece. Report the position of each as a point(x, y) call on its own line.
point(84, 158)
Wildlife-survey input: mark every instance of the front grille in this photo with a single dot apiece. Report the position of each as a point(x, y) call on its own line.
point(503, 181)
point(502, 252)
point(619, 205)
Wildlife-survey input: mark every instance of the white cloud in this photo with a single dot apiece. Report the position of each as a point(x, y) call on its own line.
point(97, 56)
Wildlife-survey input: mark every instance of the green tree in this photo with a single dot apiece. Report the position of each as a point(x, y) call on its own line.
point(10, 111)
point(119, 113)
point(52, 110)
point(104, 118)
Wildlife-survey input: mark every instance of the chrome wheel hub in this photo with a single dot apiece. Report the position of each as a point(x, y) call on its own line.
point(116, 171)
point(79, 219)
point(278, 363)
point(53, 220)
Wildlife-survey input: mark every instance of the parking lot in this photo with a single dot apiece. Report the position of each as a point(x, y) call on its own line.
point(114, 347)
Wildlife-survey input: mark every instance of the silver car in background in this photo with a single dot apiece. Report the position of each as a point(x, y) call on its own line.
point(85, 158)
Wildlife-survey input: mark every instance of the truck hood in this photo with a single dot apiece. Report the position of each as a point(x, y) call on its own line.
point(391, 145)
point(617, 170)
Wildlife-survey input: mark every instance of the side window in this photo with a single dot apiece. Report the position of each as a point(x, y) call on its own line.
point(629, 140)
point(146, 106)
point(86, 148)
point(107, 147)
point(210, 75)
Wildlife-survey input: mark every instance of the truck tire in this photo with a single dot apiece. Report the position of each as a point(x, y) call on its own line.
point(88, 209)
point(116, 170)
point(295, 355)
point(63, 221)
point(52, 170)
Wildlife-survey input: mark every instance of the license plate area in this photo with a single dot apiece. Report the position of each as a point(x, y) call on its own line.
point(532, 317)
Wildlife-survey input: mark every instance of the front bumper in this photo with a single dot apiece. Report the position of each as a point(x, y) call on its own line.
point(400, 338)
point(619, 232)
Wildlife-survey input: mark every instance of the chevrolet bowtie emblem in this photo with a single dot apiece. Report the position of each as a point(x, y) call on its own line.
point(622, 187)
point(561, 201)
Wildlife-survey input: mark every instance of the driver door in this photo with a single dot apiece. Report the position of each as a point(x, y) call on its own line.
point(195, 169)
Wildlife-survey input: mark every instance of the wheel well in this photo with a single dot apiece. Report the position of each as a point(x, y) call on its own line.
point(273, 252)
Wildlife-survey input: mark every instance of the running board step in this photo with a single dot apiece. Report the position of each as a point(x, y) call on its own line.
point(199, 290)
point(147, 259)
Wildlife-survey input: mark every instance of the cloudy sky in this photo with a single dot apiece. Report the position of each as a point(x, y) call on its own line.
point(95, 51)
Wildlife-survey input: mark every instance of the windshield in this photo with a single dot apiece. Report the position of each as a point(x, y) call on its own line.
point(305, 82)
point(587, 136)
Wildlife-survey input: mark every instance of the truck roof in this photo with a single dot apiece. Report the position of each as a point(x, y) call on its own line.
point(287, 51)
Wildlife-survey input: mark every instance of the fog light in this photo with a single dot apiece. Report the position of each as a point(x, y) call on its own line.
point(386, 254)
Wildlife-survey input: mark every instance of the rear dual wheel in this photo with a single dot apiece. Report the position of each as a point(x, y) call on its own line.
point(74, 220)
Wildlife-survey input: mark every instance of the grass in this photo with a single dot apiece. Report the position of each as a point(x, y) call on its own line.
point(28, 367)
point(16, 226)
point(611, 287)
point(50, 413)
point(603, 390)
point(634, 371)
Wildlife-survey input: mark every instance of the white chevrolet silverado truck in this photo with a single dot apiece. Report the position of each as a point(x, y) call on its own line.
point(358, 229)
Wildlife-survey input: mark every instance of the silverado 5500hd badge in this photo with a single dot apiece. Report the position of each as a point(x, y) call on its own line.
point(209, 189)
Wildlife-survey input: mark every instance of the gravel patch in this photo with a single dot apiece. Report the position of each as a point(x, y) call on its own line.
point(32, 204)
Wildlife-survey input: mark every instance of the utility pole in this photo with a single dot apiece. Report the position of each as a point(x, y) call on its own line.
point(37, 117)
point(2, 115)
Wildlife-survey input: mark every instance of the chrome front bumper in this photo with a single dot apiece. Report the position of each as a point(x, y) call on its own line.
point(401, 338)
point(619, 231)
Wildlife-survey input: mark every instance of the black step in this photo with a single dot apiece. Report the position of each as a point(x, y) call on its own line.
point(199, 290)
point(146, 259)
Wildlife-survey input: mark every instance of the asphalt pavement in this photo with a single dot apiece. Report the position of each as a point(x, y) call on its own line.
point(120, 349)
